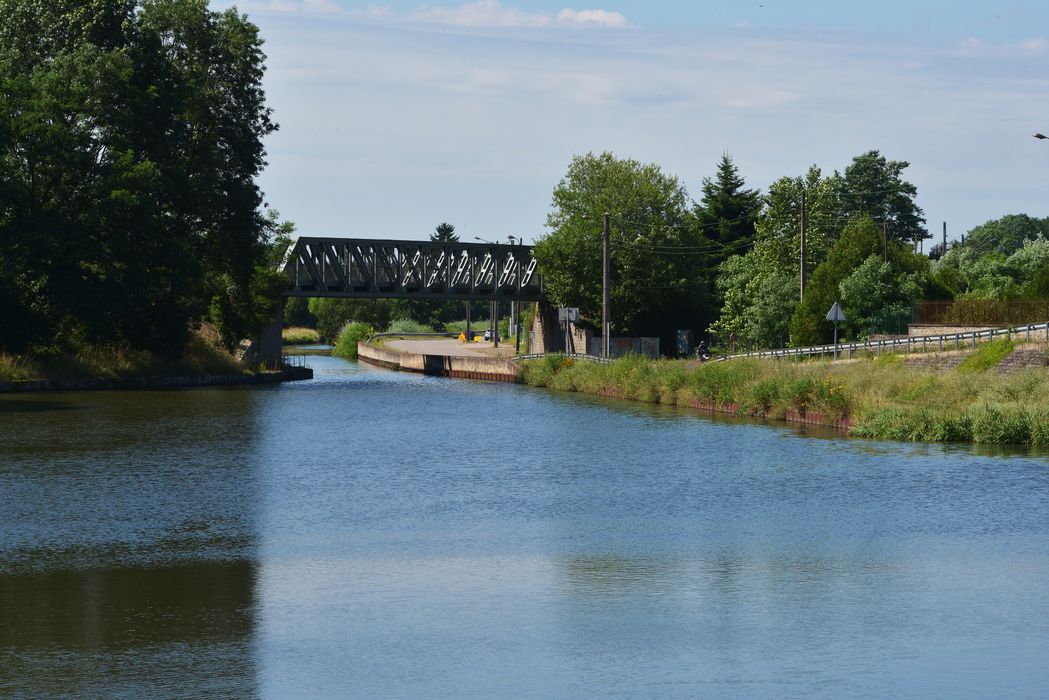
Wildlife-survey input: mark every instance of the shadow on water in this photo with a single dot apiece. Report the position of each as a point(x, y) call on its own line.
point(20, 405)
point(128, 543)
point(131, 632)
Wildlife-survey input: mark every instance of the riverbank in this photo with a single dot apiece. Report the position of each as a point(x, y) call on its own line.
point(202, 364)
point(882, 397)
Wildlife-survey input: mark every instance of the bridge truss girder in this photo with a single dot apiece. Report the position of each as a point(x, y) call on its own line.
point(372, 268)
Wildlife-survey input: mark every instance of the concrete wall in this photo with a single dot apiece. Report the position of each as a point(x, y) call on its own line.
point(497, 369)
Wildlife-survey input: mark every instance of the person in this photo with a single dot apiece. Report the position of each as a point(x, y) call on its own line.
point(701, 351)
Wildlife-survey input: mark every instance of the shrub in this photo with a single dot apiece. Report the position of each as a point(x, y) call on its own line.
point(407, 326)
point(351, 334)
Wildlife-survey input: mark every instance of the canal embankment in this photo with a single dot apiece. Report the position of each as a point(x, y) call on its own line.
point(92, 367)
point(997, 393)
point(440, 359)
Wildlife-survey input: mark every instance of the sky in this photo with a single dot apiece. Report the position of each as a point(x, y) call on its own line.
point(396, 116)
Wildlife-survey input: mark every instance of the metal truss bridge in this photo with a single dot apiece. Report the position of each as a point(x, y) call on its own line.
point(357, 267)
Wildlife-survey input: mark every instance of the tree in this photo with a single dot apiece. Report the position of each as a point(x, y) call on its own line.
point(1007, 234)
point(761, 286)
point(876, 297)
point(130, 144)
point(727, 213)
point(655, 273)
point(858, 241)
point(444, 233)
point(874, 186)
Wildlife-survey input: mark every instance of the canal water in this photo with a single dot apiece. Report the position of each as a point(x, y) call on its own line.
point(381, 535)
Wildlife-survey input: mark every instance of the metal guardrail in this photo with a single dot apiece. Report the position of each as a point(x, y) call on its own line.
point(413, 335)
point(911, 344)
point(572, 356)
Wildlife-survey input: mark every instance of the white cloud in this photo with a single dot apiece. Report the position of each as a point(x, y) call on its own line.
point(289, 6)
point(484, 13)
point(492, 13)
point(591, 18)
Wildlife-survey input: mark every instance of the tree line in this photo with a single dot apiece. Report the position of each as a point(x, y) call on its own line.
point(729, 264)
point(131, 137)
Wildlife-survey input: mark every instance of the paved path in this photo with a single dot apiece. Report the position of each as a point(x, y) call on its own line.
point(451, 346)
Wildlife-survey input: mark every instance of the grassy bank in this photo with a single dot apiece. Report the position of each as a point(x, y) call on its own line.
point(296, 335)
point(883, 397)
point(199, 358)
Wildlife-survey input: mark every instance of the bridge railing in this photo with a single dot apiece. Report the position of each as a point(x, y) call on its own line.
point(910, 344)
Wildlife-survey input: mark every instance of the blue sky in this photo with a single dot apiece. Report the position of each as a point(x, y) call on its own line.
point(396, 116)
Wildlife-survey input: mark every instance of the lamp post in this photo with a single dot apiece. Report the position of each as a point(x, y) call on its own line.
point(515, 306)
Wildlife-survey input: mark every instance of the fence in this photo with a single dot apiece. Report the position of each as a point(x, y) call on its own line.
point(915, 344)
point(981, 312)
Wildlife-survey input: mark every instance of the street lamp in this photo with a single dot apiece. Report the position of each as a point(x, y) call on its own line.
point(478, 238)
point(1043, 137)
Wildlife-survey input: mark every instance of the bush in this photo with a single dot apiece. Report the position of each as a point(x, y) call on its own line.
point(351, 334)
point(408, 327)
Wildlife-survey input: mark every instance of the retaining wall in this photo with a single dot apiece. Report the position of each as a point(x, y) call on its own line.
point(493, 369)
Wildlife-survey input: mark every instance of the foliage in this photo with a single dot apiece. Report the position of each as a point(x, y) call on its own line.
point(874, 186)
point(875, 292)
point(1007, 234)
point(131, 142)
point(444, 233)
point(408, 326)
point(297, 313)
point(987, 356)
point(333, 313)
point(351, 334)
point(727, 212)
point(970, 274)
point(648, 216)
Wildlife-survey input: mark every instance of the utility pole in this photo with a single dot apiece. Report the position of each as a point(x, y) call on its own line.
point(885, 241)
point(494, 322)
point(945, 238)
point(606, 291)
point(804, 271)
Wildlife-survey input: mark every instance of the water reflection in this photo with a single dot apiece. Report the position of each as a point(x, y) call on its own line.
point(128, 540)
point(131, 632)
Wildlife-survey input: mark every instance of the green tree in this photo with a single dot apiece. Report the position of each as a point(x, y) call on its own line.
point(760, 287)
point(859, 240)
point(874, 186)
point(444, 233)
point(1006, 234)
point(130, 144)
point(877, 297)
point(656, 280)
point(728, 212)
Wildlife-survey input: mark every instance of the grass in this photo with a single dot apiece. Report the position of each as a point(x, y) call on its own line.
point(114, 362)
point(987, 356)
point(884, 397)
point(297, 335)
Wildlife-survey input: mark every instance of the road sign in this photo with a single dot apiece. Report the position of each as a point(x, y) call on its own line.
point(835, 314)
point(568, 314)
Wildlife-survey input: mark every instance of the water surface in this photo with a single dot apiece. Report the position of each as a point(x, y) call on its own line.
point(376, 534)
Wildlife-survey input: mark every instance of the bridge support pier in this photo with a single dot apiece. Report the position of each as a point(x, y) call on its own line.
point(268, 348)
